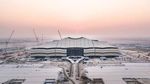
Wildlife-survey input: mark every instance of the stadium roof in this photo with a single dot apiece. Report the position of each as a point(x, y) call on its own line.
point(75, 42)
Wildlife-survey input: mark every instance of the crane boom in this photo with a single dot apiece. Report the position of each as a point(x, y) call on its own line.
point(59, 34)
point(8, 40)
point(10, 36)
point(36, 38)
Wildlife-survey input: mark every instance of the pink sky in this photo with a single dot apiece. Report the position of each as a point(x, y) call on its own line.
point(89, 18)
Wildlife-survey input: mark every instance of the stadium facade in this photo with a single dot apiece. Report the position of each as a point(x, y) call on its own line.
point(74, 47)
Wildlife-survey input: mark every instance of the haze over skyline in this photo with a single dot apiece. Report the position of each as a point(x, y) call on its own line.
point(88, 18)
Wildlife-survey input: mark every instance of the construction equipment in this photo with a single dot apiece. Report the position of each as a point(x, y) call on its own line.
point(8, 40)
point(59, 34)
point(36, 38)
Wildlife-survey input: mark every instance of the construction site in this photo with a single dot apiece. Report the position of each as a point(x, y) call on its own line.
point(73, 61)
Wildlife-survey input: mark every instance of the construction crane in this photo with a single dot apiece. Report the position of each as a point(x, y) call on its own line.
point(59, 34)
point(8, 40)
point(36, 38)
point(42, 38)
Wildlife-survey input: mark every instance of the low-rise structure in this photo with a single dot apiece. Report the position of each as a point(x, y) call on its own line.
point(29, 74)
point(130, 73)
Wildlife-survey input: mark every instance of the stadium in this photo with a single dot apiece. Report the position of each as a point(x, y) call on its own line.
point(74, 47)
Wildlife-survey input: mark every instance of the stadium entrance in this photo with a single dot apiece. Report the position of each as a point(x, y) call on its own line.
point(75, 52)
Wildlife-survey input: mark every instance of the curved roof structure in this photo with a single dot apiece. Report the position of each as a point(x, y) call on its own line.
point(75, 42)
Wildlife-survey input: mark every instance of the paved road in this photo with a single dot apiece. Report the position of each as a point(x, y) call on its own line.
point(75, 70)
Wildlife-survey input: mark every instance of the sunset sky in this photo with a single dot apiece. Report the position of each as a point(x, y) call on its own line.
point(89, 18)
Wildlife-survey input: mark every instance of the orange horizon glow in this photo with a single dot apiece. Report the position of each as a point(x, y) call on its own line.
point(100, 18)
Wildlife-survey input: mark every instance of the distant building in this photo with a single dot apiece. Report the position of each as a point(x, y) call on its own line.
point(75, 47)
